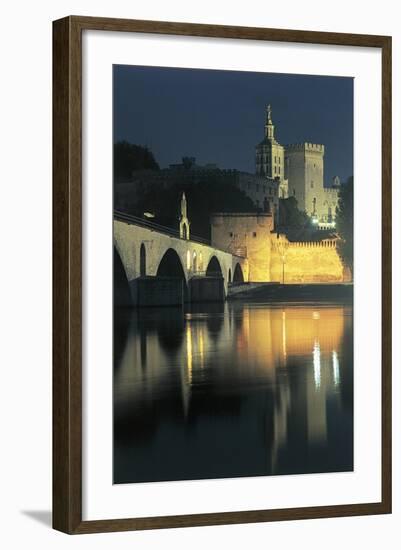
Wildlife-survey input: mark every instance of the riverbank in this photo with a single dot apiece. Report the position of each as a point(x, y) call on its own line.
point(291, 292)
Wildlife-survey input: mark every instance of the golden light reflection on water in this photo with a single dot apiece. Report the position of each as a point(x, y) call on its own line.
point(262, 338)
point(285, 364)
point(189, 352)
point(284, 336)
point(201, 349)
point(268, 337)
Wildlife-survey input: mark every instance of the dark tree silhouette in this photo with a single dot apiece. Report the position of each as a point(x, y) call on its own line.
point(294, 222)
point(204, 199)
point(345, 223)
point(129, 157)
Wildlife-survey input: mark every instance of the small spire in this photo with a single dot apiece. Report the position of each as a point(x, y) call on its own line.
point(269, 114)
point(269, 127)
point(183, 205)
point(184, 222)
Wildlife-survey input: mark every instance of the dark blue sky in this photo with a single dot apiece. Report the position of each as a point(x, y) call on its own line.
point(218, 116)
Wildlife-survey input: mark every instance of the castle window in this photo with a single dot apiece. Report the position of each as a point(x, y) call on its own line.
point(293, 192)
point(231, 233)
point(279, 169)
point(254, 233)
point(311, 184)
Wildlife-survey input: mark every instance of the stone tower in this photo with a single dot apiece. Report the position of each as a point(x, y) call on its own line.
point(305, 172)
point(269, 153)
point(184, 222)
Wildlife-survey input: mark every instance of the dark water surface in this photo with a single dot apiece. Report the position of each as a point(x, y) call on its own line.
point(232, 390)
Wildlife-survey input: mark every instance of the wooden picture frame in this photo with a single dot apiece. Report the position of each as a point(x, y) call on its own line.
point(67, 273)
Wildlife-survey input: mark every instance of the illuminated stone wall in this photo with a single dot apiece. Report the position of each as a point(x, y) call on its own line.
point(306, 262)
point(251, 235)
point(247, 235)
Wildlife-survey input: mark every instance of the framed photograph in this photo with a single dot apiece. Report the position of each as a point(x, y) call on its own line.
point(222, 274)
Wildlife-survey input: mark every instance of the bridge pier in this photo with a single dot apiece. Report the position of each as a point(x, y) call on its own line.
point(206, 289)
point(172, 291)
point(157, 291)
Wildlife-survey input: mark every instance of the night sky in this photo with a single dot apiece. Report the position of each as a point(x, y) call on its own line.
point(218, 116)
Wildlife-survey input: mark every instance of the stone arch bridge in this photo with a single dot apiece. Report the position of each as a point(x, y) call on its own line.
point(152, 258)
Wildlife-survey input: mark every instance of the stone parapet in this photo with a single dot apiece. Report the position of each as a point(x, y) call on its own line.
point(308, 147)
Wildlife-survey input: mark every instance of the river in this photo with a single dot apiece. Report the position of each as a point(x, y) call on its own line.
point(234, 389)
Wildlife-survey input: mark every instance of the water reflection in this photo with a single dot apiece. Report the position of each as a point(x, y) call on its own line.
point(233, 390)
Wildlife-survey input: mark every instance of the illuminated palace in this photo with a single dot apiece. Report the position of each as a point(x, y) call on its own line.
point(294, 170)
point(298, 170)
point(280, 172)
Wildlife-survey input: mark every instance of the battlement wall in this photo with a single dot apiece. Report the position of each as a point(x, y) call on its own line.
point(305, 147)
point(306, 262)
point(332, 191)
point(266, 252)
point(328, 243)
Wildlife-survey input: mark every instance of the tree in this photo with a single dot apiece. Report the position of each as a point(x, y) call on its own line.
point(293, 221)
point(129, 157)
point(204, 199)
point(345, 223)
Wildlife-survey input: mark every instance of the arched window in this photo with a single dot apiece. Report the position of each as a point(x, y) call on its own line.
point(142, 261)
point(194, 263)
point(229, 276)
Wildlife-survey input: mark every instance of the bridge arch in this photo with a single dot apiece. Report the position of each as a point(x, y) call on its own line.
point(127, 251)
point(170, 265)
point(238, 274)
point(142, 261)
point(121, 290)
point(214, 267)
